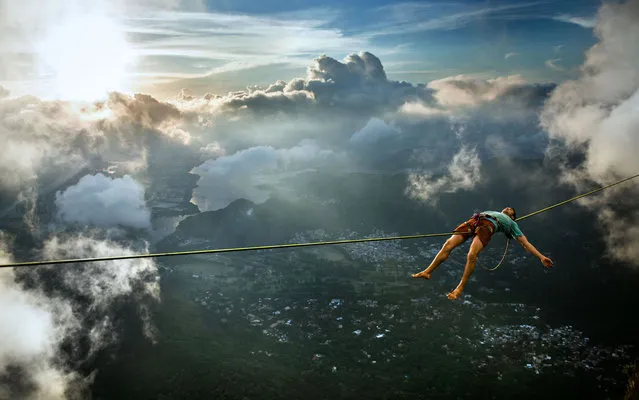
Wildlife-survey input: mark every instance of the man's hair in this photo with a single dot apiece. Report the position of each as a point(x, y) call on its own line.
point(514, 213)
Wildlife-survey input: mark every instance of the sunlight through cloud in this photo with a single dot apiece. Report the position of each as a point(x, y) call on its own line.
point(86, 56)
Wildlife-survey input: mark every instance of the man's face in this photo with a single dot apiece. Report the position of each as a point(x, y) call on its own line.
point(509, 211)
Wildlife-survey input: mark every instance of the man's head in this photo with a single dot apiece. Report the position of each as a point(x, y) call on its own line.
point(510, 212)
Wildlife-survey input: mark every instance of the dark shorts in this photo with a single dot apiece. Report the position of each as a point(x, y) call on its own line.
point(484, 230)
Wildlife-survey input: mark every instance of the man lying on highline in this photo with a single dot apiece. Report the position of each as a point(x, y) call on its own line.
point(481, 228)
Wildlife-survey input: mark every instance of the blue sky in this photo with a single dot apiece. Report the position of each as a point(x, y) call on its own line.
point(223, 45)
point(416, 41)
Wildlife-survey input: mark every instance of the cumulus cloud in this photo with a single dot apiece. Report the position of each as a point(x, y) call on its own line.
point(44, 327)
point(597, 112)
point(252, 174)
point(463, 173)
point(141, 110)
point(338, 98)
point(501, 97)
point(334, 100)
point(104, 202)
point(358, 83)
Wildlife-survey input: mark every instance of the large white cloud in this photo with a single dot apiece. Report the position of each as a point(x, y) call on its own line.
point(104, 202)
point(254, 173)
point(598, 112)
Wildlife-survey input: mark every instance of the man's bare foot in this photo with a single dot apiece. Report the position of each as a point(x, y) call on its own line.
point(454, 295)
point(423, 274)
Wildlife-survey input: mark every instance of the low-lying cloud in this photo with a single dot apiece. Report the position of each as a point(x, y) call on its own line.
point(464, 90)
point(44, 327)
point(253, 174)
point(104, 202)
point(463, 173)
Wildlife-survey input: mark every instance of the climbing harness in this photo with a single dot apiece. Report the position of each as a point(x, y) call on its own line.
point(474, 224)
point(290, 245)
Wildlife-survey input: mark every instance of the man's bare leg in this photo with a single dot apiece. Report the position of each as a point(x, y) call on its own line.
point(442, 255)
point(475, 247)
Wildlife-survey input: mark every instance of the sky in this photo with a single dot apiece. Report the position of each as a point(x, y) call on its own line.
point(77, 50)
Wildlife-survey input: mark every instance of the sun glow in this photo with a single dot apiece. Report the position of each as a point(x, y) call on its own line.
point(86, 57)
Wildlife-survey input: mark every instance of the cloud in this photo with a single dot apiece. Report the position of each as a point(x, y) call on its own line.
point(253, 174)
point(332, 101)
point(552, 64)
point(226, 37)
point(510, 55)
point(421, 110)
point(375, 130)
point(410, 17)
point(463, 90)
point(338, 98)
point(36, 134)
point(58, 140)
point(48, 142)
point(4, 93)
point(597, 113)
point(212, 150)
point(357, 83)
point(141, 110)
point(39, 360)
point(104, 202)
point(352, 103)
point(584, 22)
point(463, 173)
point(31, 349)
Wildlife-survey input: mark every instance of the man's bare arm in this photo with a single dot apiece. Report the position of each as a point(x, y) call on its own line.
point(532, 250)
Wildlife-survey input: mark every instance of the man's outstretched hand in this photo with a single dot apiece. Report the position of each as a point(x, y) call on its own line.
point(546, 261)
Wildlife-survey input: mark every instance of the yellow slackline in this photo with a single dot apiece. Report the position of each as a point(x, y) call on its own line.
point(502, 258)
point(288, 245)
point(575, 198)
